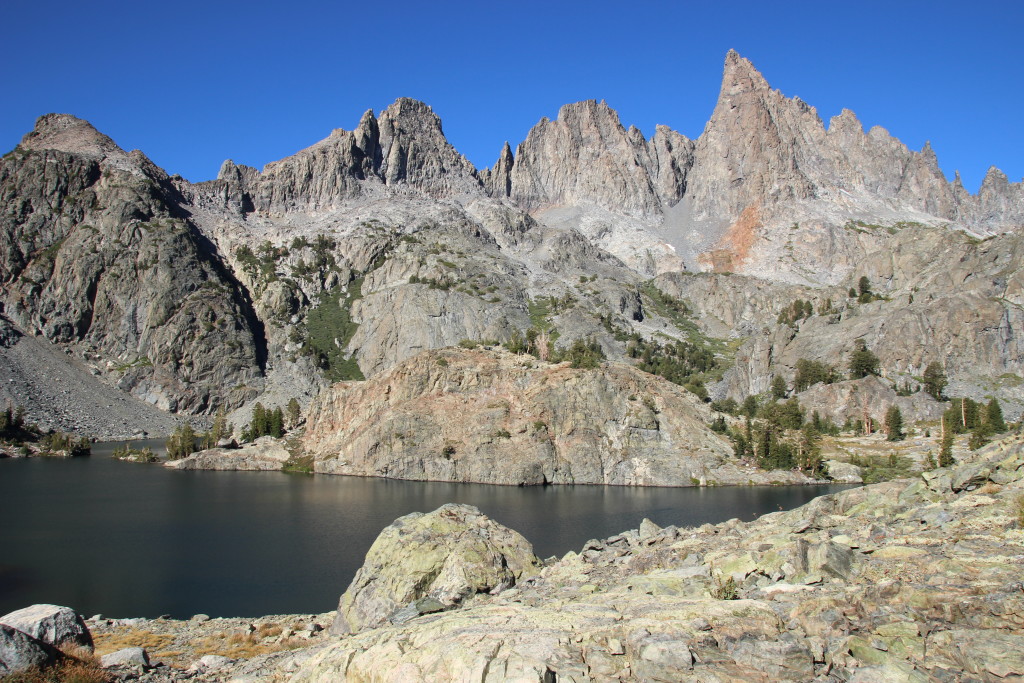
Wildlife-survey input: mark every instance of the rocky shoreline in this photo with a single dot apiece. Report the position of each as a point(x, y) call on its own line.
point(916, 579)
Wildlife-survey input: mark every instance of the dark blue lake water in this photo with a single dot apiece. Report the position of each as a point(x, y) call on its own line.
point(127, 539)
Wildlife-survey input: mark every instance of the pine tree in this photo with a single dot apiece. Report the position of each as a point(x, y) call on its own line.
point(864, 285)
point(182, 442)
point(778, 387)
point(994, 417)
point(862, 361)
point(275, 423)
point(809, 450)
point(946, 451)
point(894, 424)
point(935, 380)
point(294, 413)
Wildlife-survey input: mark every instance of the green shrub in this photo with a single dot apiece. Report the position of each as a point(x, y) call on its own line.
point(725, 589)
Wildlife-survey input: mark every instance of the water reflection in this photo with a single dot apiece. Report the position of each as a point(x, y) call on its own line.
point(128, 539)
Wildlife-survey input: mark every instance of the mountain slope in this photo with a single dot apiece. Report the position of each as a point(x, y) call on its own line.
point(376, 244)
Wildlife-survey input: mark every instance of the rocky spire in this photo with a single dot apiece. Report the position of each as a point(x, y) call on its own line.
point(585, 156)
point(403, 150)
point(754, 148)
point(498, 180)
point(415, 152)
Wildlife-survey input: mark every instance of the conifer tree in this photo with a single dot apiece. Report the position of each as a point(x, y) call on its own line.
point(994, 417)
point(778, 387)
point(294, 413)
point(182, 442)
point(946, 451)
point(935, 380)
point(862, 361)
point(894, 424)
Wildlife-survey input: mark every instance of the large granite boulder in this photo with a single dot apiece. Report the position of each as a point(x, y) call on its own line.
point(54, 625)
point(430, 562)
point(20, 651)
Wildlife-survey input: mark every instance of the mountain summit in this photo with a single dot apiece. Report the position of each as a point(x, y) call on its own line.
point(378, 243)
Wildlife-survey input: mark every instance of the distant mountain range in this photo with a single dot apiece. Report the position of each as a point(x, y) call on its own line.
point(376, 244)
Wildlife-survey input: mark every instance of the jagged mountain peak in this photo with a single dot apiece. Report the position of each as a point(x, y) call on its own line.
point(739, 75)
point(67, 133)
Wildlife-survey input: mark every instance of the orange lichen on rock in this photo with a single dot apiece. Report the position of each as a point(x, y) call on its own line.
point(734, 247)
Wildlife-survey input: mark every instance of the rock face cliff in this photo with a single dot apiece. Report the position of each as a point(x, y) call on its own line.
point(500, 418)
point(762, 159)
point(99, 255)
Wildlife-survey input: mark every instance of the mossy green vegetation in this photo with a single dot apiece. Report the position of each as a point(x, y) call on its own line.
point(329, 328)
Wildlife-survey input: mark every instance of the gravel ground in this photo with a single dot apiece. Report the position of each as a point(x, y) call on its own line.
point(58, 392)
point(204, 649)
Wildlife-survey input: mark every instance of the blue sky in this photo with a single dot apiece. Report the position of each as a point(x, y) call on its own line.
point(193, 83)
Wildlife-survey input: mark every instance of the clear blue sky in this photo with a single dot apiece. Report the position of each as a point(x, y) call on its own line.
point(193, 83)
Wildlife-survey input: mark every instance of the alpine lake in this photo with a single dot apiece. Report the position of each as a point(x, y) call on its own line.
point(138, 540)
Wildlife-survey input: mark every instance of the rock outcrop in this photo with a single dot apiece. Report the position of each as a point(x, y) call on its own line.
point(501, 418)
point(266, 453)
point(425, 563)
point(916, 579)
point(404, 150)
point(99, 255)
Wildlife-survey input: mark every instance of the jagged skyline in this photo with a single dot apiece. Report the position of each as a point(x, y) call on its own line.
point(190, 110)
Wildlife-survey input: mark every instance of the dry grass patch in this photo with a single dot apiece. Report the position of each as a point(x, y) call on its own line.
point(153, 643)
point(79, 670)
point(269, 630)
point(247, 645)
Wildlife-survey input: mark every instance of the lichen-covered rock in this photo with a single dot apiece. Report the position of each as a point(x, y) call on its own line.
point(20, 651)
point(866, 584)
point(446, 556)
point(52, 624)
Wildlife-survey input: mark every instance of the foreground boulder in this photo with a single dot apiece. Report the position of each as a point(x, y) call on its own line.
point(20, 651)
point(430, 562)
point(52, 624)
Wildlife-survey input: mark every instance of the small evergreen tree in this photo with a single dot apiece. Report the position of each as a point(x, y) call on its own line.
point(935, 380)
point(946, 450)
point(182, 442)
point(778, 387)
point(864, 285)
point(218, 431)
point(809, 450)
point(979, 437)
point(862, 361)
point(584, 354)
point(750, 406)
point(275, 424)
point(894, 424)
point(994, 417)
point(811, 372)
point(294, 413)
